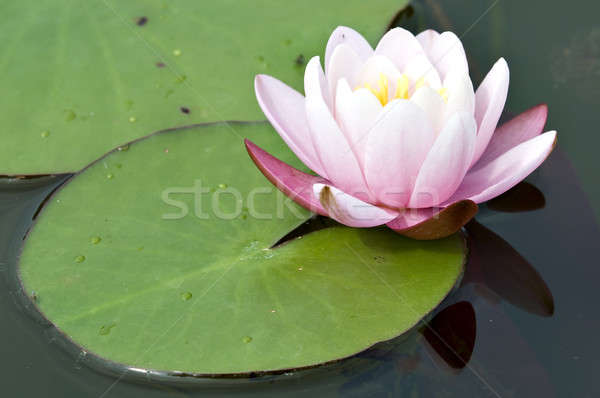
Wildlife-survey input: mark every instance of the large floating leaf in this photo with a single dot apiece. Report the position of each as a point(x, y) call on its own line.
point(211, 295)
point(81, 77)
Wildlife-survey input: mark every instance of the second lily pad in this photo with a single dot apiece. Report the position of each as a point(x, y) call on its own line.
point(161, 257)
point(79, 78)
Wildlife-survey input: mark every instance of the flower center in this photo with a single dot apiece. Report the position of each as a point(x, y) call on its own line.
point(382, 92)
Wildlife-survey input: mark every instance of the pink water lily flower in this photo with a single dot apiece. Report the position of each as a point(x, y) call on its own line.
point(397, 135)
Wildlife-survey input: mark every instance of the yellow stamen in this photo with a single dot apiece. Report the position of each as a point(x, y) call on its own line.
point(443, 92)
point(402, 87)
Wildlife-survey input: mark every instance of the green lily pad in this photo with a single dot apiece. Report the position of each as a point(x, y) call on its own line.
point(117, 267)
point(79, 79)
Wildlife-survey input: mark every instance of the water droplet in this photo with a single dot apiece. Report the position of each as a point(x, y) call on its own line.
point(34, 295)
point(300, 268)
point(273, 311)
point(246, 339)
point(180, 79)
point(123, 148)
point(105, 329)
point(268, 253)
point(45, 134)
point(132, 119)
point(70, 115)
point(186, 296)
point(95, 240)
point(177, 52)
point(222, 186)
point(110, 176)
point(166, 150)
point(79, 259)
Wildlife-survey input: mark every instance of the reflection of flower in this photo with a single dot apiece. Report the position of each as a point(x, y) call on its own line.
point(397, 132)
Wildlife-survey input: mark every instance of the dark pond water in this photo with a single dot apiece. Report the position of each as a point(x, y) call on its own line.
point(525, 320)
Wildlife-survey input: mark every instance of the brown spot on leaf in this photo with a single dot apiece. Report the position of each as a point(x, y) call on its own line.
point(141, 21)
point(185, 110)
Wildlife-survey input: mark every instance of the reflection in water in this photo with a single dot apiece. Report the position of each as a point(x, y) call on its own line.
point(523, 197)
point(496, 265)
point(451, 333)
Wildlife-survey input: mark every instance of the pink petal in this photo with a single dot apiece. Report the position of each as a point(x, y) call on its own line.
point(420, 68)
point(375, 66)
point(434, 223)
point(487, 181)
point(461, 97)
point(400, 46)
point(332, 147)
point(427, 38)
point(345, 35)
point(292, 182)
point(432, 104)
point(514, 132)
point(344, 64)
point(356, 113)
point(447, 162)
point(315, 84)
point(349, 210)
point(489, 102)
point(284, 107)
point(447, 54)
point(395, 150)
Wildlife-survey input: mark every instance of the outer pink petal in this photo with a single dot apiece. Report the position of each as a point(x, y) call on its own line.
point(344, 64)
point(434, 223)
point(349, 210)
point(427, 38)
point(514, 132)
point(333, 149)
point(446, 164)
point(284, 107)
point(343, 34)
point(400, 46)
point(395, 150)
point(292, 182)
point(489, 103)
point(447, 54)
point(507, 170)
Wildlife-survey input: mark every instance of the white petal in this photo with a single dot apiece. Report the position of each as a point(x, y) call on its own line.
point(396, 148)
point(432, 104)
point(315, 84)
point(356, 113)
point(447, 54)
point(461, 97)
point(349, 210)
point(345, 35)
point(400, 46)
point(344, 64)
point(447, 162)
point(426, 38)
